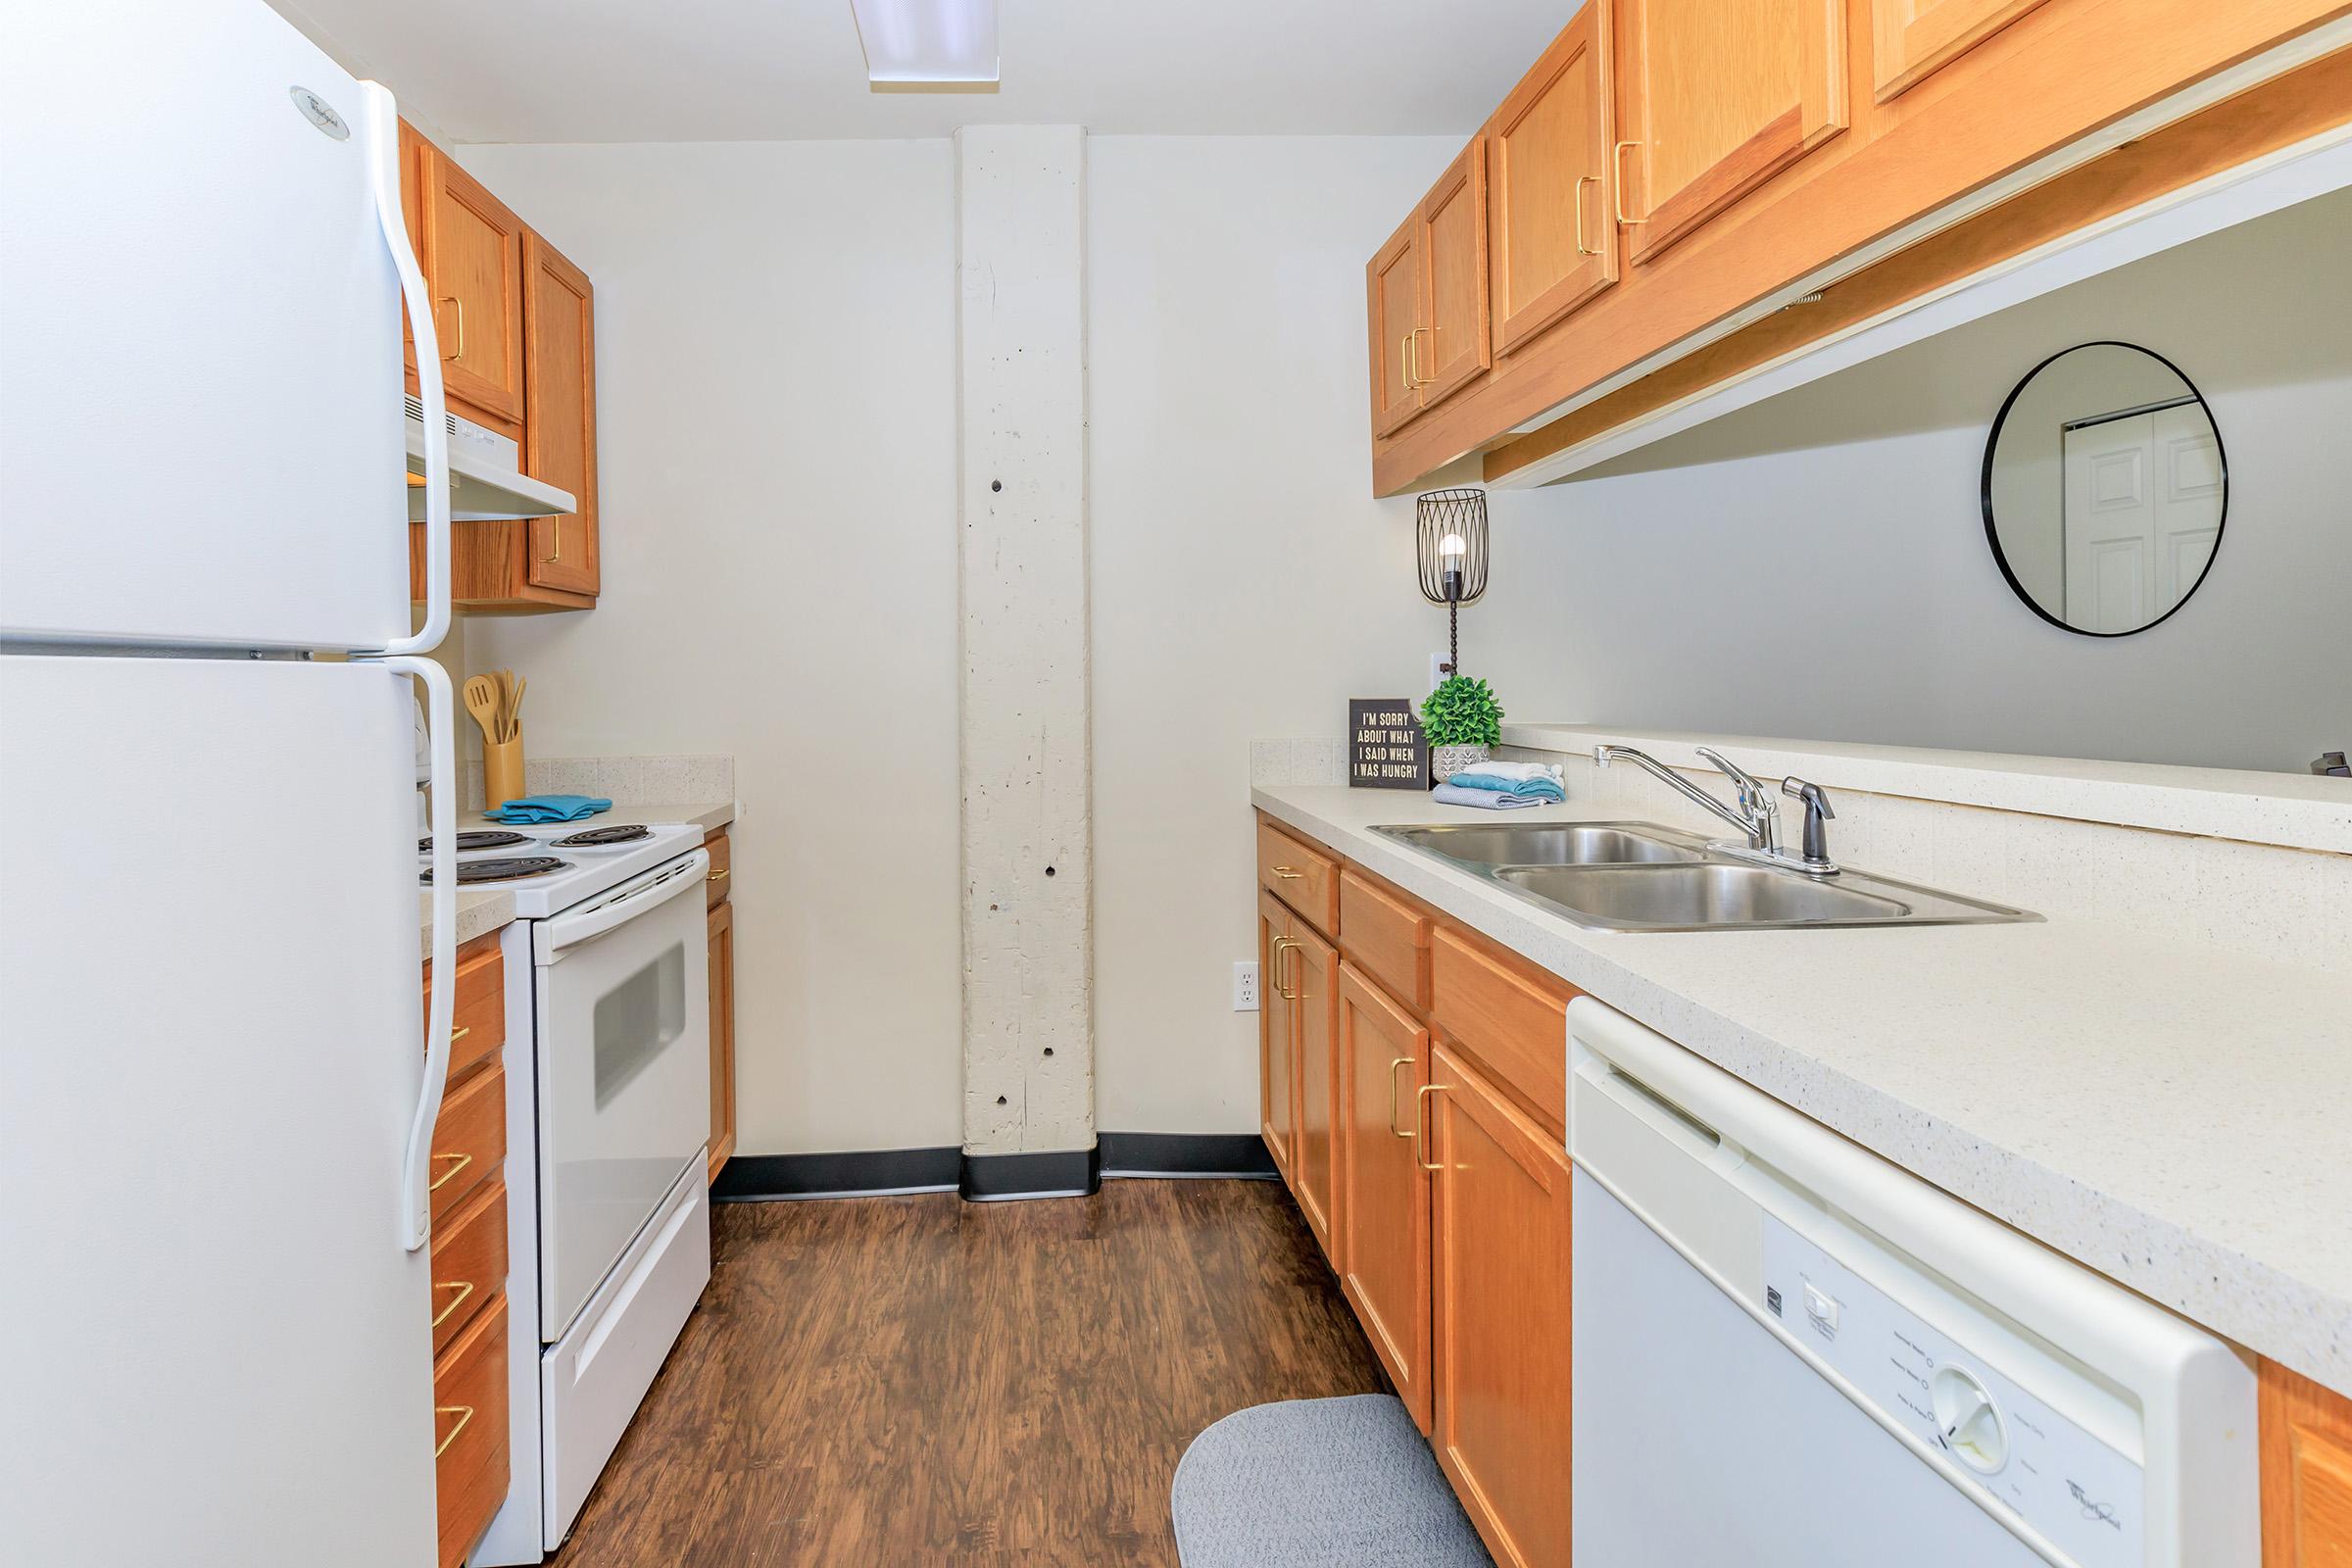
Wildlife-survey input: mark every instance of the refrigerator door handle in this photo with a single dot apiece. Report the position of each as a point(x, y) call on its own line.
point(416, 1200)
point(381, 125)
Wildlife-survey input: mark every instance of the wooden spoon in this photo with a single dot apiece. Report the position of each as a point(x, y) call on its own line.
point(481, 701)
point(515, 708)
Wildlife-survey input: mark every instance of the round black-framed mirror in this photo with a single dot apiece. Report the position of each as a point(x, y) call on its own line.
point(2105, 489)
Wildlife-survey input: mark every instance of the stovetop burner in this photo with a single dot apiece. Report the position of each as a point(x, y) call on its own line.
point(484, 839)
point(504, 868)
point(602, 837)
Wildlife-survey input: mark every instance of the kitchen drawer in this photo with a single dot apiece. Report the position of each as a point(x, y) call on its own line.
point(1516, 1027)
point(1307, 880)
point(469, 1141)
point(1387, 938)
point(478, 1024)
point(469, 1431)
point(469, 1261)
point(722, 856)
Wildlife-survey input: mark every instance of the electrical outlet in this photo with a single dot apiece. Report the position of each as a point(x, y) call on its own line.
point(1244, 987)
point(1436, 670)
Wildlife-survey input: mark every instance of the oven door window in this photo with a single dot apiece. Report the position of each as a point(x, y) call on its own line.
point(636, 1020)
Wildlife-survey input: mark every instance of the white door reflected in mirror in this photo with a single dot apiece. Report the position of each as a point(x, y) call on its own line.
point(2105, 488)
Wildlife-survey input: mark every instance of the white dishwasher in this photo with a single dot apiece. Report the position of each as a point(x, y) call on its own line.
point(1789, 1353)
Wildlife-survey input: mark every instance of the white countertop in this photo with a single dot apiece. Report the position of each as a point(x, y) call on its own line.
point(2175, 1118)
point(485, 910)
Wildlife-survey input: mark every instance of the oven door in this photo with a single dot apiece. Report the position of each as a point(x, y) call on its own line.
point(623, 1069)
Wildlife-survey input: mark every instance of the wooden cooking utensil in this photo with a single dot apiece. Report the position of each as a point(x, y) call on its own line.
point(515, 708)
point(481, 701)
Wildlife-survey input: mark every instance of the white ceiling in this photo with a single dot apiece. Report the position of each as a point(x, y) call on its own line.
point(557, 70)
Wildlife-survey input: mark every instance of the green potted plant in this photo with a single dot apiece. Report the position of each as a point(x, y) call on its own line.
point(1460, 721)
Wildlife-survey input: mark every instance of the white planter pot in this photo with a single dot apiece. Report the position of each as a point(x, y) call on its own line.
point(1447, 760)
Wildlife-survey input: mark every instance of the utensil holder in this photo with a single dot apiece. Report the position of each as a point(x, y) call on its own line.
point(502, 772)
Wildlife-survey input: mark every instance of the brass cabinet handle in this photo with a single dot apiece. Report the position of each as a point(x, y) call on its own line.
point(1617, 159)
point(1582, 180)
point(459, 352)
point(1393, 1106)
point(1418, 378)
point(1420, 1110)
point(1274, 955)
point(718, 875)
point(456, 1035)
point(442, 1180)
point(463, 1413)
point(463, 1288)
point(1287, 874)
point(555, 529)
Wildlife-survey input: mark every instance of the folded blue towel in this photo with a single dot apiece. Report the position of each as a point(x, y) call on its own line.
point(1483, 800)
point(1531, 789)
point(550, 809)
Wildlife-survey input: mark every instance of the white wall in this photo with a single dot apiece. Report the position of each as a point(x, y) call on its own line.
point(1815, 566)
point(776, 362)
point(1245, 583)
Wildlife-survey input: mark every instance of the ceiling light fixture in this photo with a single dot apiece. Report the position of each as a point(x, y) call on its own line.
point(917, 42)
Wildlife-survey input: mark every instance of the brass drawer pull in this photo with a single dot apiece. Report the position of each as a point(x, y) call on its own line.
point(459, 352)
point(1419, 1112)
point(718, 875)
point(1618, 158)
point(456, 1035)
point(1393, 1106)
point(463, 1413)
point(442, 1180)
point(463, 1288)
point(1288, 873)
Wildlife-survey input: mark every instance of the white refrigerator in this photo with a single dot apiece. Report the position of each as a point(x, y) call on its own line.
point(214, 1097)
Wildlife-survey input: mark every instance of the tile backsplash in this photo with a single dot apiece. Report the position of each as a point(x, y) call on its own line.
point(627, 780)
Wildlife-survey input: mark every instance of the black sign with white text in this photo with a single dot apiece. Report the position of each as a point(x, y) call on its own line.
point(1385, 747)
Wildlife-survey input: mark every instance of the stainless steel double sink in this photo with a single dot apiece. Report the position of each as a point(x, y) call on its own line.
point(1639, 876)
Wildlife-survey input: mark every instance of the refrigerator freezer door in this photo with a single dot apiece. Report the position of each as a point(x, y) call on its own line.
point(213, 1344)
point(200, 402)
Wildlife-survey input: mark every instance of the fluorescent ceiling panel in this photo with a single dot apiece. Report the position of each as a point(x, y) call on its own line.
point(928, 40)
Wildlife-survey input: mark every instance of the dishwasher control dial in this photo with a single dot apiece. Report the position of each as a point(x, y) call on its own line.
point(1967, 1420)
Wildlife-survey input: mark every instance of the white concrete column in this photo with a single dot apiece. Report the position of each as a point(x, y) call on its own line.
point(1028, 918)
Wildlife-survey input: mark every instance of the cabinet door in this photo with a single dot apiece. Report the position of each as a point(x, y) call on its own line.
point(1713, 99)
point(1909, 39)
point(1554, 232)
point(2306, 1473)
point(1500, 1335)
point(1315, 1007)
point(559, 426)
point(1395, 286)
point(720, 924)
point(1384, 1196)
point(1455, 350)
point(1277, 1080)
point(472, 256)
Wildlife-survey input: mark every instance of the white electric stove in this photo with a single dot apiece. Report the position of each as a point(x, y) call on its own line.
point(608, 1237)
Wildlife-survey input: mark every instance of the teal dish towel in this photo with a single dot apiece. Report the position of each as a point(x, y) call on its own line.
point(550, 809)
point(1531, 789)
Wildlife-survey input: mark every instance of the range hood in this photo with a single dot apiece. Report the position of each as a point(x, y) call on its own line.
point(486, 482)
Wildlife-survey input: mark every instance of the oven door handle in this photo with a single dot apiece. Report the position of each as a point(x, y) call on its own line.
point(621, 906)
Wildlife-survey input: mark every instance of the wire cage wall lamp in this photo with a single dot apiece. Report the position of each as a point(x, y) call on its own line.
point(1451, 549)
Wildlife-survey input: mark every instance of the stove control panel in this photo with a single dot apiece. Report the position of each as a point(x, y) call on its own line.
point(2037, 1467)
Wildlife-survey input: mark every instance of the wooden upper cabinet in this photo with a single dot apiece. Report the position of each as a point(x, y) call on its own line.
point(1552, 185)
point(472, 250)
point(1393, 286)
point(1909, 39)
point(1455, 350)
point(2306, 1473)
point(1715, 98)
point(559, 322)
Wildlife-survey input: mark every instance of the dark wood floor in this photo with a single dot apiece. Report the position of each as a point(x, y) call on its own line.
point(919, 1380)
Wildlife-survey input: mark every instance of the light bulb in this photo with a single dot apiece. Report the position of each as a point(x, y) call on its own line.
point(1452, 545)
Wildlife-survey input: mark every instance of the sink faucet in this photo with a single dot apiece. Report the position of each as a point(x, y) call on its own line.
point(1757, 815)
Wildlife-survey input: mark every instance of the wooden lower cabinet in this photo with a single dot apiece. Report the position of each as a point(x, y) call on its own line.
point(2306, 1473)
point(470, 1465)
point(1277, 1039)
point(1499, 1318)
point(1315, 1007)
point(1382, 1192)
point(720, 928)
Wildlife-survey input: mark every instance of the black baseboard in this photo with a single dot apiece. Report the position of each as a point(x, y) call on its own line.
point(1054, 1173)
point(1240, 1156)
point(759, 1178)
